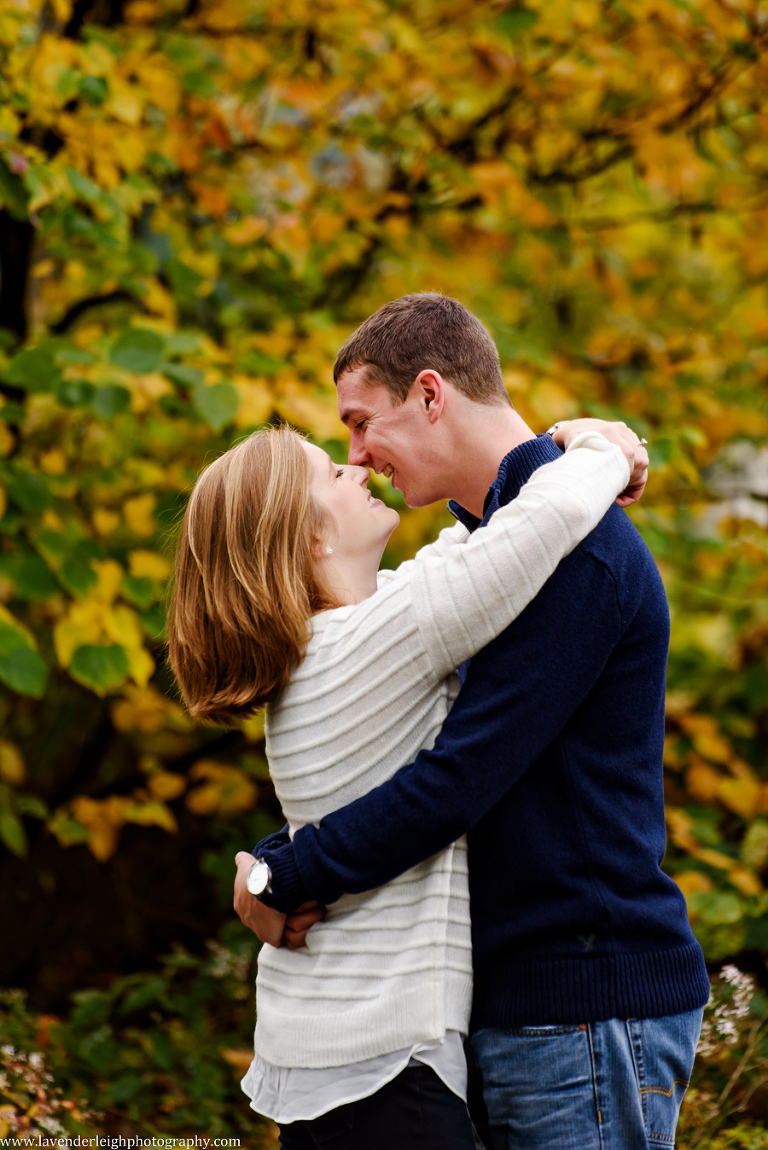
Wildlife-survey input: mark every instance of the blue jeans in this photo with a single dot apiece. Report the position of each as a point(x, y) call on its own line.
point(613, 1085)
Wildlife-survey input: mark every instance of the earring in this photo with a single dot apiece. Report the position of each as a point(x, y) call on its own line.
point(329, 551)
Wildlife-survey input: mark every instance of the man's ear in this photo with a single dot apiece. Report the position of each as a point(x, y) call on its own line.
point(432, 393)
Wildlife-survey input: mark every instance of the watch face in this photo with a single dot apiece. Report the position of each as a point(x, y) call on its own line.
point(258, 878)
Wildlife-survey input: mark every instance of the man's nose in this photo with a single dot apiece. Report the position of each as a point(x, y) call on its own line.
point(358, 455)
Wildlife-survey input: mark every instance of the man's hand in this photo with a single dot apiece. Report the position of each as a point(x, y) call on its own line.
point(267, 924)
point(626, 439)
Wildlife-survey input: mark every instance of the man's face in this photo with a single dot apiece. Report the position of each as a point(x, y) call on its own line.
point(394, 439)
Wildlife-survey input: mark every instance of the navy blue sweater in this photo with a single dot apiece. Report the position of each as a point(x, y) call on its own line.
point(551, 761)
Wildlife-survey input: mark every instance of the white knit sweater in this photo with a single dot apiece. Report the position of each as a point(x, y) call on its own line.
point(393, 966)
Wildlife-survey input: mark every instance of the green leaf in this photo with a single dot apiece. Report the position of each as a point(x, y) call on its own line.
point(83, 187)
point(69, 831)
point(12, 193)
point(34, 369)
point(142, 996)
point(259, 363)
point(31, 805)
point(99, 668)
point(29, 492)
point(217, 405)
point(198, 84)
point(516, 20)
point(13, 834)
point(75, 355)
point(77, 577)
point(138, 350)
point(153, 622)
point(12, 637)
point(183, 374)
point(181, 343)
point(31, 577)
point(140, 592)
point(109, 401)
point(94, 89)
point(24, 671)
point(74, 392)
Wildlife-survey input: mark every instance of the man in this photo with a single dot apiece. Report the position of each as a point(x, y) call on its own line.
point(589, 983)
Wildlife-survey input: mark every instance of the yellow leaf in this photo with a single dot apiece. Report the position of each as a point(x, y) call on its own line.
point(109, 575)
point(166, 784)
point(53, 462)
point(148, 565)
point(125, 102)
point(713, 858)
point(105, 522)
point(12, 769)
point(227, 791)
point(240, 1060)
point(255, 402)
point(740, 796)
point(62, 10)
point(702, 781)
point(122, 625)
point(102, 840)
point(138, 512)
point(6, 439)
point(140, 709)
point(141, 665)
point(253, 728)
point(81, 626)
point(745, 881)
point(693, 882)
point(245, 231)
point(152, 813)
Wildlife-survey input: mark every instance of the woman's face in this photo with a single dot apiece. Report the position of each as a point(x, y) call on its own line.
point(359, 524)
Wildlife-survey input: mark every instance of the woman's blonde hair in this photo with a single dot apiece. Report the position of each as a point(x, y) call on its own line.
point(245, 583)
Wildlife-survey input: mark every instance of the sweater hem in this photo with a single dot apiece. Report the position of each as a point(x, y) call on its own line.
point(386, 1023)
point(575, 990)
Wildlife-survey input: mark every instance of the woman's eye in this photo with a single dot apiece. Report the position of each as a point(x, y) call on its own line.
point(339, 473)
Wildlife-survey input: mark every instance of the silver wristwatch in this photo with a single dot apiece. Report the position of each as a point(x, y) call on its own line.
point(258, 881)
point(551, 430)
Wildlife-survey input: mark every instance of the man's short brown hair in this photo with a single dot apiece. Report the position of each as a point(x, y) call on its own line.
point(420, 331)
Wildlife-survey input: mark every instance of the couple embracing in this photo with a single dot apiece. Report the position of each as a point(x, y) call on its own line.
point(468, 906)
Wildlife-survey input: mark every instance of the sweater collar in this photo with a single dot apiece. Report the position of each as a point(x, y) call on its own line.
point(516, 469)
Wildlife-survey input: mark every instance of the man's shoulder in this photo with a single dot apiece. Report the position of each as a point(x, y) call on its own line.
point(619, 546)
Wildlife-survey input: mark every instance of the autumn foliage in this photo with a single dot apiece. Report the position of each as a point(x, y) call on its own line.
point(201, 199)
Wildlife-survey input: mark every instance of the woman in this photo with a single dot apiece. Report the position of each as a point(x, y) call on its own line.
point(278, 599)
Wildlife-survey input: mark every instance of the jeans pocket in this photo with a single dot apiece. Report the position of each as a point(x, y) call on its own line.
point(664, 1050)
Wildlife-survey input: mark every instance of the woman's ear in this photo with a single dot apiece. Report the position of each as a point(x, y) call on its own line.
point(320, 549)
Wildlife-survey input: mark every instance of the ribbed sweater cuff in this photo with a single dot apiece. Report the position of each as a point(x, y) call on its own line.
point(288, 890)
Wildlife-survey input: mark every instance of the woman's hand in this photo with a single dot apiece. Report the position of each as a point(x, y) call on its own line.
point(618, 433)
point(267, 924)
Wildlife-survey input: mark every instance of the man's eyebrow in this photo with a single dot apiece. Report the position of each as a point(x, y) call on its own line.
point(351, 413)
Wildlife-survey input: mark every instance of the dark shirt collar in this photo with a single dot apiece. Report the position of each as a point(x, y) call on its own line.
point(516, 469)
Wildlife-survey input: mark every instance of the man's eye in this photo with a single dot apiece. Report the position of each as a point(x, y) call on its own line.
point(360, 424)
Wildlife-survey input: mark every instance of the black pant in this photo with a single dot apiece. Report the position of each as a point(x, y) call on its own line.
point(415, 1111)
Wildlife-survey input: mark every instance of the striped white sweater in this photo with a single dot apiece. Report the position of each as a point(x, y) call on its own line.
point(393, 966)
